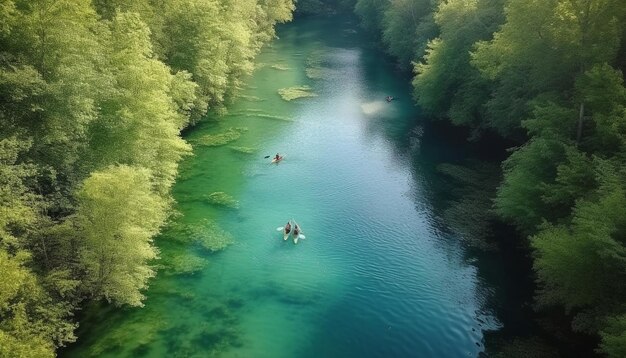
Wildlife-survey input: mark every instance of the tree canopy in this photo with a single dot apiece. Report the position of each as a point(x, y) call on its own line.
point(547, 75)
point(94, 95)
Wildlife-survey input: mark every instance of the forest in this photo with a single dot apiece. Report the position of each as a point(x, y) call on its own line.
point(94, 95)
point(548, 76)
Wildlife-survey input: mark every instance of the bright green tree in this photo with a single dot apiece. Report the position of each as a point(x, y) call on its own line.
point(117, 216)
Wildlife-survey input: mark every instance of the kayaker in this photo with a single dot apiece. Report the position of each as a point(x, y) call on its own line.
point(277, 157)
point(389, 98)
point(288, 227)
point(296, 230)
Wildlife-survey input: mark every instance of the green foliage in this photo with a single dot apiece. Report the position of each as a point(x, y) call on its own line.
point(583, 265)
point(142, 113)
point(320, 7)
point(526, 173)
point(407, 27)
point(94, 95)
point(545, 74)
point(614, 337)
point(217, 41)
point(446, 83)
point(118, 214)
point(18, 205)
point(602, 90)
point(31, 323)
point(540, 48)
point(371, 13)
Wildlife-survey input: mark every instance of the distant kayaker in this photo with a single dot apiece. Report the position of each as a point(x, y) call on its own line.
point(288, 227)
point(389, 98)
point(277, 157)
point(296, 230)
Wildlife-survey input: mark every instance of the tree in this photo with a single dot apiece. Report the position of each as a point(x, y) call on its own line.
point(445, 83)
point(117, 216)
point(31, 324)
point(407, 27)
point(371, 13)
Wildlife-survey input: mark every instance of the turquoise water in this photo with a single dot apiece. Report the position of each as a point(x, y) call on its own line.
point(379, 273)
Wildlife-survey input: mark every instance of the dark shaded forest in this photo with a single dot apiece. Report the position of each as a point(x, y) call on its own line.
point(546, 75)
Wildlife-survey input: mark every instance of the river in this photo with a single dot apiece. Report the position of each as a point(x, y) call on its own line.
point(379, 273)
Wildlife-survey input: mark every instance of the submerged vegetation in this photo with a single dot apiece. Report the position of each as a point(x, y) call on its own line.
point(243, 150)
point(185, 264)
point(93, 96)
point(222, 199)
point(549, 76)
point(219, 139)
point(470, 189)
point(291, 93)
point(280, 67)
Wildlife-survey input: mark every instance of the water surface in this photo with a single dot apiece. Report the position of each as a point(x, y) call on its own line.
point(379, 273)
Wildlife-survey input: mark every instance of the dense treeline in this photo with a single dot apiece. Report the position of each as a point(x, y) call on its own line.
point(547, 74)
point(323, 7)
point(93, 96)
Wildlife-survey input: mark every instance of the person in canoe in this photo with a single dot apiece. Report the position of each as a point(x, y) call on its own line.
point(389, 98)
point(287, 230)
point(277, 158)
point(297, 232)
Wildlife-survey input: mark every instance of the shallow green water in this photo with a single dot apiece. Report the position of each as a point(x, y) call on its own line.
point(379, 273)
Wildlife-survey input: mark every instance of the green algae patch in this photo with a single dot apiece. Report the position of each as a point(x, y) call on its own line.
point(314, 73)
point(214, 238)
point(205, 233)
point(250, 98)
point(185, 264)
point(291, 93)
point(270, 116)
point(280, 67)
point(259, 113)
point(315, 68)
point(142, 332)
point(222, 199)
point(243, 150)
point(219, 139)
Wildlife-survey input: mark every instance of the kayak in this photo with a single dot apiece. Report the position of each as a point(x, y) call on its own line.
point(296, 236)
point(286, 233)
point(277, 160)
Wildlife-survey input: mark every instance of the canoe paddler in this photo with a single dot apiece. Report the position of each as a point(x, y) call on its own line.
point(288, 227)
point(296, 230)
point(277, 157)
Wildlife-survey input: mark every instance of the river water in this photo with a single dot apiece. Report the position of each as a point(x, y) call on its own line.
point(379, 273)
